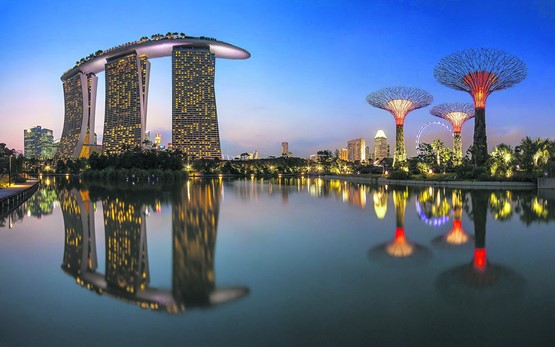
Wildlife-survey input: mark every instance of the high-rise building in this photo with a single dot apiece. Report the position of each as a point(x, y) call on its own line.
point(344, 154)
point(357, 150)
point(38, 143)
point(381, 148)
point(148, 142)
point(157, 140)
point(285, 149)
point(127, 80)
point(79, 119)
point(194, 118)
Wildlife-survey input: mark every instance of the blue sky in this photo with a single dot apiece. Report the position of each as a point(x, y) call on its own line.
point(313, 64)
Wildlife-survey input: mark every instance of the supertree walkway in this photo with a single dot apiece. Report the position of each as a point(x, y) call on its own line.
point(399, 101)
point(456, 113)
point(480, 72)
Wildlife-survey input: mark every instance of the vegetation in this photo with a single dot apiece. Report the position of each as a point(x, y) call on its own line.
point(525, 163)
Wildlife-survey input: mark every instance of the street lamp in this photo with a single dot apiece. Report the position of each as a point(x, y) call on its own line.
point(10, 171)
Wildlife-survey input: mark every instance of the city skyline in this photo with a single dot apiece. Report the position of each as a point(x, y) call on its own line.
point(311, 68)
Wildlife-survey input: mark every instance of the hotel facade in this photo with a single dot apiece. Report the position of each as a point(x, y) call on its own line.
point(194, 119)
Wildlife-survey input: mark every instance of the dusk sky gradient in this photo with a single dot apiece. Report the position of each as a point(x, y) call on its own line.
point(313, 64)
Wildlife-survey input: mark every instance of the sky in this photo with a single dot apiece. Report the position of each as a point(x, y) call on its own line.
point(312, 65)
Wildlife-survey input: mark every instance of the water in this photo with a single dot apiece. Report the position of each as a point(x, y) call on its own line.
point(302, 262)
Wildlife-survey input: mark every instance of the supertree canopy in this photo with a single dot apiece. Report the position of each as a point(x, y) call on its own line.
point(399, 101)
point(456, 113)
point(480, 72)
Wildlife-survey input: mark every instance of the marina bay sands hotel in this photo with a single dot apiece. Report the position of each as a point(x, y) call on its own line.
point(194, 119)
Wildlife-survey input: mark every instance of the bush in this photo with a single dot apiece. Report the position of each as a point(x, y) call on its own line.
point(399, 175)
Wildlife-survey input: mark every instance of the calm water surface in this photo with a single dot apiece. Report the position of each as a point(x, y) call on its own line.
point(288, 262)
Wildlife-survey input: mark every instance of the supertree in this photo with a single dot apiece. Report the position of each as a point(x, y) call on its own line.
point(399, 101)
point(456, 113)
point(480, 72)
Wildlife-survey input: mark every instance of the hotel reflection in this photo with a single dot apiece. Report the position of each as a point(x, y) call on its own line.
point(127, 277)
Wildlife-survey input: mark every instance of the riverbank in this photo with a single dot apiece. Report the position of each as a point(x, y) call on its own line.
point(17, 194)
point(446, 184)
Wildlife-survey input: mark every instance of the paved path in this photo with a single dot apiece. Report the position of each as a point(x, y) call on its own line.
point(17, 193)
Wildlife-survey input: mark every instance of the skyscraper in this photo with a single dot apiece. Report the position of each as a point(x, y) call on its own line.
point(357, 150)
point(194, 118)
point(285, 149)
point(380, 146)
point(38, 143)
point(80, 105)
point(126, 102)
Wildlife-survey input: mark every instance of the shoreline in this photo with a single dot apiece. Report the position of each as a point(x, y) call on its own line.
point(446, 184)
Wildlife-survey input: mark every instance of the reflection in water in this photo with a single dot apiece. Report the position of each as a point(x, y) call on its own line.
point(432, 206)
point(472, 281)
point(399, 247)
point(194, 231)
point(456, 236)
point(501, 205)
point(380, 201)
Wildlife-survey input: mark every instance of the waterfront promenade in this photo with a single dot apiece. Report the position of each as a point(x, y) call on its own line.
point(16, 194)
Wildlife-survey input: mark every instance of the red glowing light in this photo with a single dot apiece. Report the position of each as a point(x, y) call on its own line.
point(480, 258)
point(480, 84)
point(400, 235)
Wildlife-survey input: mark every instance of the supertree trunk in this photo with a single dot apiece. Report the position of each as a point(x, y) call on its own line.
point(400, 153)
point(457, 148)
point(480, 145)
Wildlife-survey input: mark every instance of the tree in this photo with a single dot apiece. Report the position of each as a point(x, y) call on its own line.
point(502, 161)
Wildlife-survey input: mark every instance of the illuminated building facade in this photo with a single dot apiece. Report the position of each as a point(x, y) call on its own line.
point(357, 150)
point(79, 120)
point(344, 154)
point(194, 119)
point(127, 69)
point(126, 102)
point(157, 140)
point(38, 143)
point(381, 149)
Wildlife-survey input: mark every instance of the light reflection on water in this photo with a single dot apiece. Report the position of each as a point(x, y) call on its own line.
point(327, 261)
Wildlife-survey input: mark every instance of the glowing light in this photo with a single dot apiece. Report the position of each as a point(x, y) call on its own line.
point(400, 247)
point(456, 236)
point(457, 119)
point(399, 108)
point(480, 84)
point(480, 260)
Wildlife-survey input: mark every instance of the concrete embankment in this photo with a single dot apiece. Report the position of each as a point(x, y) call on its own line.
point(15, 195)
point(447, 184)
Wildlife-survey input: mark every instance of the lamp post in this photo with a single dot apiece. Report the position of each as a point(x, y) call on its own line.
point(10, 171)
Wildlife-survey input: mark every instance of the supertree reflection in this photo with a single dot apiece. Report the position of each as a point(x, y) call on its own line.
point(473, 281)
point(456, 236)
point(400, 247)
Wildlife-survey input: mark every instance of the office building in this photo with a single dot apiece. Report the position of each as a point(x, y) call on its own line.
point(38, 143)
point(381, 148)
point(357, 150)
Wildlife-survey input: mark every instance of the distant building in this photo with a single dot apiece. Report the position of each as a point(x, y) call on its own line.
point(344, 154)
point(357, 150)
point(147, 138)
point(38, 143)
point(157, 140)
point(285, 149)
point(381, 149)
